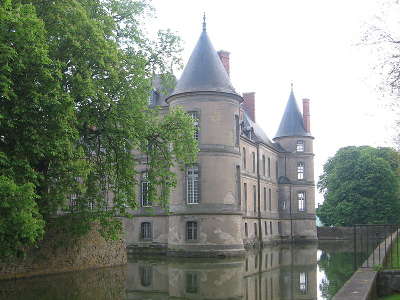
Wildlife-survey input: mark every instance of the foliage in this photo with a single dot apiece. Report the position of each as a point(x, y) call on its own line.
point(20, 222)
point(360, 186)
point(75, 77)
point(338, 268)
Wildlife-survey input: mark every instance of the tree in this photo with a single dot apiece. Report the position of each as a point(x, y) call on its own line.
point(360, 186)
point(74, 81)
point(382, 37)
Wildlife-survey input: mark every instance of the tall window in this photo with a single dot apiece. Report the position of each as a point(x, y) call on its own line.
point(244, 158)
point(195, 117)
point(279, 228)
point(191, 231)
point(146, 231)
point(301, 198)
point(300, 146)
point(270, 231)
point(269, 199)
point(144, 192)
point(245, 196)
point(146, 275)
point(246, 231)
point(300, 170)
point(192, 283)
point(269, 167)
point(283, 204)
point(255, 198)
point(303, 282)
point(255, 229)
point(263, 165)
point(276, 170)
point(239, 192)
point(253, 155)
point(265, 227)
point(150, 100)
point(192, 184)
point(237, 128)
point(265, 199)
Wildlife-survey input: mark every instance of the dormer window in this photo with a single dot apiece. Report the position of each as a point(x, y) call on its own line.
point(300, 146)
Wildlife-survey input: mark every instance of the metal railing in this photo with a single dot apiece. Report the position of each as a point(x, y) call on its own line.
point(373, 245)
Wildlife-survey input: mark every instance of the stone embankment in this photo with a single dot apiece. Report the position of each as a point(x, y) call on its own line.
point(56, 254)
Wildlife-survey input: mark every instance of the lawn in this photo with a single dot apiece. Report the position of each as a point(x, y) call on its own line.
point(391, 297)
point(393, 258)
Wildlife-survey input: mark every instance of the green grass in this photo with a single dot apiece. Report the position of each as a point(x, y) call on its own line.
point(391, 297)
point(393, 259)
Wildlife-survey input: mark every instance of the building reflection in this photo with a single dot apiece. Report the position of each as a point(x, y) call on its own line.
point(274, 273)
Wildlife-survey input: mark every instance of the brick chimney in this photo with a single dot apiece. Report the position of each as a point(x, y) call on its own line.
point(306, 114)
point(224, 57)
point(249, 105)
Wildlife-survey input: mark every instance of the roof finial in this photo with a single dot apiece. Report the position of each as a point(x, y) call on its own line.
point(204, 21)
point(291, 86)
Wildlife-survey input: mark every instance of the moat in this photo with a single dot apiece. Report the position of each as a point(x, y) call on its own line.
point(302, 271)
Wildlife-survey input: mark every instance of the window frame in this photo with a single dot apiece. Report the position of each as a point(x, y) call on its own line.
point(300, 170)
point(300, 146)
point(143, 231)
point(191, 200)
point(253, 157)
point(299, 201)
point(194, 235)
point(195, 115)
point(244, 158)
point(144, 202)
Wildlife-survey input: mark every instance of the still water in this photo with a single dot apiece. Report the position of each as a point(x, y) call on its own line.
point(308, 271)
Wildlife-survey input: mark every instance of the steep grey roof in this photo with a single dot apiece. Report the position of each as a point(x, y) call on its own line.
point(204, 71)
point(292, 120)
point(260, 135)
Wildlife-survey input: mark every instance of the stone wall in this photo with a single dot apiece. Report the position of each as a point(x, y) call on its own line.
point(335, 233)
point(347, 233)
point(56, 254)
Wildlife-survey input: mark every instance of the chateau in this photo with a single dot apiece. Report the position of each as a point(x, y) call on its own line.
point(245, 189)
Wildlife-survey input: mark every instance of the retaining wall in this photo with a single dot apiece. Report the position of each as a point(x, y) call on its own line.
point(55, 254)
point(362, 285)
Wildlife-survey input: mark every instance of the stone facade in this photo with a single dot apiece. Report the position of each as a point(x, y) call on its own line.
point(248, 189)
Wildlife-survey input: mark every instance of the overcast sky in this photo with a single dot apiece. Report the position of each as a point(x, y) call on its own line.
point(312, 43)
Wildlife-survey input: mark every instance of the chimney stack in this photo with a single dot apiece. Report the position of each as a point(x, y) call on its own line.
point(224, 57)
point(249, 105)
point(306, 114)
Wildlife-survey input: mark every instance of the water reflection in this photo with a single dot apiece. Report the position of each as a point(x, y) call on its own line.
point(282, 272)
point(274, 273)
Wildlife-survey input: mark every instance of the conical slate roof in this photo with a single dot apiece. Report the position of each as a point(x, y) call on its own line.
point(292, 120)
point(204, 71)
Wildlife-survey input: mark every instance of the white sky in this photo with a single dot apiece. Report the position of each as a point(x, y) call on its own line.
point(312, 43)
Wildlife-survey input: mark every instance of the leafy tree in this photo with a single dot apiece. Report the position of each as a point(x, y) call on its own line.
point(75, 77)
point(360, 186)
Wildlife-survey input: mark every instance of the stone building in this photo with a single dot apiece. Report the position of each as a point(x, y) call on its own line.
point(245, 189)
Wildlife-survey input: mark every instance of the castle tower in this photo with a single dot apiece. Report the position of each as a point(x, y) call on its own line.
point(296, 172)
point(205, 213)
